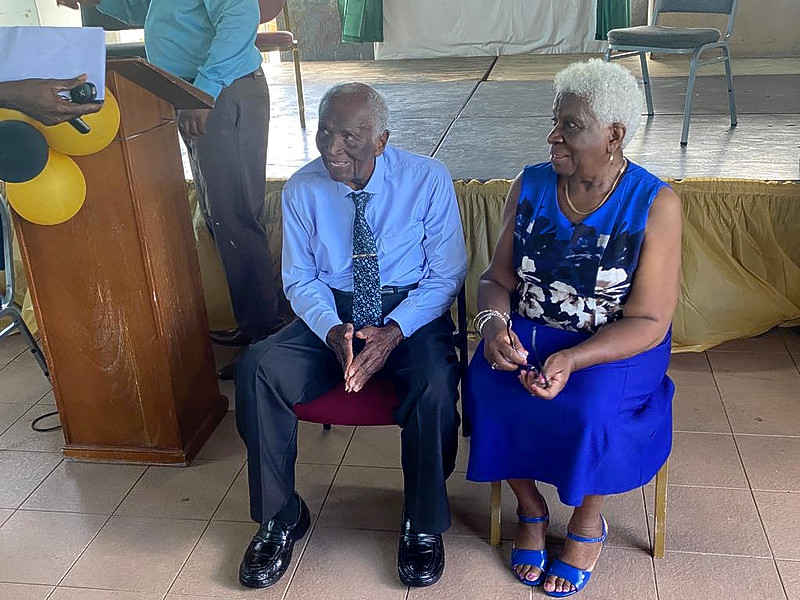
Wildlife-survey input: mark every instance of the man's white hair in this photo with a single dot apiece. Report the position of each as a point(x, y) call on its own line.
point(374, 100)
point(610, 90)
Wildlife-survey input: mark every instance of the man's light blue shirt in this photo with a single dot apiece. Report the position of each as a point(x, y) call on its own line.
point(414, 216)
point(210, 42)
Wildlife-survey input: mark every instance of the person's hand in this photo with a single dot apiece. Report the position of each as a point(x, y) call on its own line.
point(40, 99)
point(77, 3)
point(502, 352)
point(192, 122)
point(380, 341)
point(340, 340)
point(555, 374)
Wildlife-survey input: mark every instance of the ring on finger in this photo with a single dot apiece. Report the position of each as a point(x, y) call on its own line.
point(494, 366)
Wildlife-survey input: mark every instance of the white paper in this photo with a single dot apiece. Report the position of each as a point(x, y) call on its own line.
point(54, 53)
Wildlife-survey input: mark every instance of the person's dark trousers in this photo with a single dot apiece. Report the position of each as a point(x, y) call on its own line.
point(294, 366)
point(229, 169)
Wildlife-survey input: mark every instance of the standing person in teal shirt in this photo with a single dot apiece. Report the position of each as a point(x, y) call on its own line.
point(211, 43)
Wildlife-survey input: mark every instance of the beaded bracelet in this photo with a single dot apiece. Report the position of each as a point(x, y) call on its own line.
point(486, 315)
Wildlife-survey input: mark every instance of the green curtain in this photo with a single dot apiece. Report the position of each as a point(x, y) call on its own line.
point(611, 14)
point(362, 20)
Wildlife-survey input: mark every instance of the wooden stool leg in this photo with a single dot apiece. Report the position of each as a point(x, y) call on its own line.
point(659, 537)
point(494, 513)
point(298, 81)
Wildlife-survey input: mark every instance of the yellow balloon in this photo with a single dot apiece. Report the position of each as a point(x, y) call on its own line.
point(55, 195)
point(7, 114)
point(104, 125)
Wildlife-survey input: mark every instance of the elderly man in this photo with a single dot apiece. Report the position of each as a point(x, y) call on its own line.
point(373, 256)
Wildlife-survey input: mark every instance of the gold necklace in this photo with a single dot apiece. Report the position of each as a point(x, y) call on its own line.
point(603, 201)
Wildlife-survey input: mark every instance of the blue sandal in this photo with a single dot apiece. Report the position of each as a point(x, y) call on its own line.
point(534, 558)
point(577, 577)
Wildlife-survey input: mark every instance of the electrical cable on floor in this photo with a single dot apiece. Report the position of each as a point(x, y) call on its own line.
point(44, 429)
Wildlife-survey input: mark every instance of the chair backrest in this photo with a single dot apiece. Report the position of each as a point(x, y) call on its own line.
point(720, 7)
point(270, 9)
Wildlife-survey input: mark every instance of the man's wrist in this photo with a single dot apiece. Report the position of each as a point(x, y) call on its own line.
point(398, 332)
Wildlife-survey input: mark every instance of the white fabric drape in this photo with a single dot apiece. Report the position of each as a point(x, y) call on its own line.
point(438, 28)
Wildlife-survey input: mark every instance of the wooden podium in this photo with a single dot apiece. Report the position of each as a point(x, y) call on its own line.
point(117, 290)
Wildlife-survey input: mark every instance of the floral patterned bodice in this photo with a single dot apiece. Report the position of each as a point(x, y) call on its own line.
point(578, 276)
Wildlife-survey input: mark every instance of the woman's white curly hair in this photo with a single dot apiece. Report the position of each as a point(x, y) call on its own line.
point(610, 90)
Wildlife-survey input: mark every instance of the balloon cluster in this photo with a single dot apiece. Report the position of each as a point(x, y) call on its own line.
point(43, 184)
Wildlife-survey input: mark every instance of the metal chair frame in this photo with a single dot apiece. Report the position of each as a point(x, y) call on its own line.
point(695, 63)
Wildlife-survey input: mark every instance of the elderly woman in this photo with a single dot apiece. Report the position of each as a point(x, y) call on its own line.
point(571, 388)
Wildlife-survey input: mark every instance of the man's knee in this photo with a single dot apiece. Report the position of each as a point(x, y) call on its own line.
point(437, 389)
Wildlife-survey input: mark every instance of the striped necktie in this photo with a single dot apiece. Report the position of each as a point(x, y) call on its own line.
point(366, 276)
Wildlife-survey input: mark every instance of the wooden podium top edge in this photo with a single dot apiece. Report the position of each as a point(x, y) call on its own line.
point(176, 91)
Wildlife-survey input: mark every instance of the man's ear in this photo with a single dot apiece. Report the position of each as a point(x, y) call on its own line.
point(382, 140)
point(617, 136)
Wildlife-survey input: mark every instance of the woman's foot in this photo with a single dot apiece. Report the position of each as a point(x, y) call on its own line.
point(531, 536)
point(582, 555)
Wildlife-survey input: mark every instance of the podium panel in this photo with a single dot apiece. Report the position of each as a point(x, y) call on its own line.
point(117, 294)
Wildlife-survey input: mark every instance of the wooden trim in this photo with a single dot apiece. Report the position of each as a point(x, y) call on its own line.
point(495, 515)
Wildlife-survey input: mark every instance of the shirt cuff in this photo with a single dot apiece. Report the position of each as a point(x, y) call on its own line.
point(323, 325)
point(212, 88)
point(403, 316)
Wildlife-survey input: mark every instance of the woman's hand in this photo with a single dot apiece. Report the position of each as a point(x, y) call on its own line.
point(548, 384)
point(502, 348)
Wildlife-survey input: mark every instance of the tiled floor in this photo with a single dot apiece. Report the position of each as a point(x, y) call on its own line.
point(81, 531)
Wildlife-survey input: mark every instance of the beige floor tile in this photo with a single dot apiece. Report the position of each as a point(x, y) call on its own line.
point(322, 447)
point(621, 573)
point(21, 472)
point(682, 576)
point(346, 564)
point(690, 368)
point(712, 520)
point(135, 555)
point(10, 412)
point(374, 447)
point(769, 366)
point(771, 463)
point(699, 408)
point(771, 341)
point(21, 591)
point(23, 381)
point(224, 443)
point(469, 508)
point(11, 346)
point(790, 575)
point(4, 514)
point(66, 593)
point(708, 459)
point(474, 569)
point(779, 511)
point(462, 458)
point(774, 410)
point(192, 492)
point(49, 398)
point(625, 513)
point(213, 568)
point(39, 547)
point(20, 436)
point(312, 483)
point(365, 498)
point(84, 487)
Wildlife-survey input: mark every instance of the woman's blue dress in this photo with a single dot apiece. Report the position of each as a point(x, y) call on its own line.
point(610, 428)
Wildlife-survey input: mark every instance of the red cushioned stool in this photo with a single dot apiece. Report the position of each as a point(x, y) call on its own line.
point(374, 404)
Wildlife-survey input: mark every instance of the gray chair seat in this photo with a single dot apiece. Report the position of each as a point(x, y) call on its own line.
point(659, 36)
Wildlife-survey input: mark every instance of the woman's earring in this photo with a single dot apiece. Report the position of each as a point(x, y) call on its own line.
point(611, 157)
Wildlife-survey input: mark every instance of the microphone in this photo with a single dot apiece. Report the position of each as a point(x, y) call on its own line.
point(82, 94)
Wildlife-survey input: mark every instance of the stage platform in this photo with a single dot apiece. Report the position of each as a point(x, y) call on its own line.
point(487, 117)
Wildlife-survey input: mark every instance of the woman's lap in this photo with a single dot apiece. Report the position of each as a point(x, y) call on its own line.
point(608, 431)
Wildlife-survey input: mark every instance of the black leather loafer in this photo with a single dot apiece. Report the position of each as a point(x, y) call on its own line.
point(420, 557)
point(270, 552)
